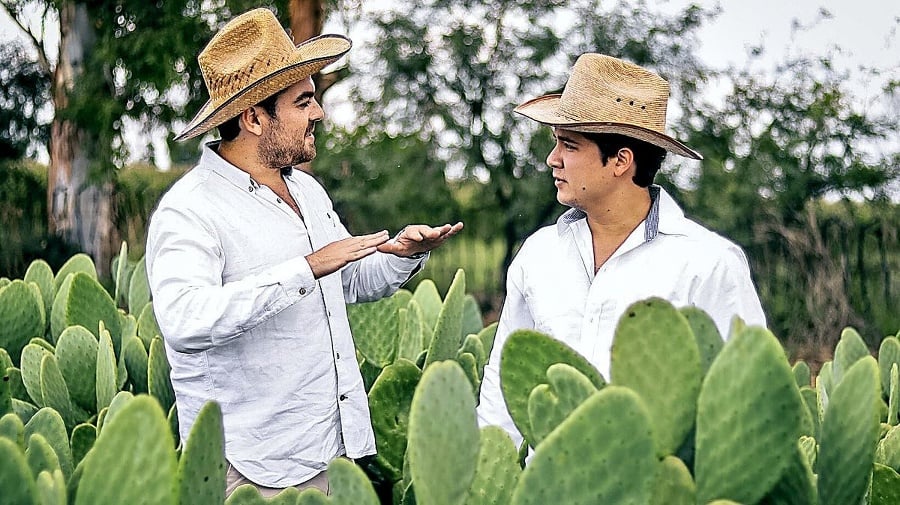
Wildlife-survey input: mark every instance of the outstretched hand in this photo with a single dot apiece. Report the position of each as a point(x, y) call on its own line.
point(336, 255)
point(419, 238)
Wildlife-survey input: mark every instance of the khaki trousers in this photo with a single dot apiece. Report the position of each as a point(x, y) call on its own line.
point(233, 479)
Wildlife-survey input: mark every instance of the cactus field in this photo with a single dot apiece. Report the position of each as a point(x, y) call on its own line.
point(87, 412)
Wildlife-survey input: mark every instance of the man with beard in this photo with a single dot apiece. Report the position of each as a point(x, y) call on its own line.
point(250, 268)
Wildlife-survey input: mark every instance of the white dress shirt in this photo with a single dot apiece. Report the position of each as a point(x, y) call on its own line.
point(551, 287)
point(245, 323)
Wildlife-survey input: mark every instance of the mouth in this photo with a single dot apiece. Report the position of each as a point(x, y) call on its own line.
point(558, 182)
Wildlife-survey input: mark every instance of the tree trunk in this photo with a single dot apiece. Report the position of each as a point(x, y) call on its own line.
point(80, 209)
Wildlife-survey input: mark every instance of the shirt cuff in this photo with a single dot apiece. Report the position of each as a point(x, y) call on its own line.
point(295, 277)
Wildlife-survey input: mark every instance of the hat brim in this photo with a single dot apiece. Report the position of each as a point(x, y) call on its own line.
point(545, 110)
point(331, 47)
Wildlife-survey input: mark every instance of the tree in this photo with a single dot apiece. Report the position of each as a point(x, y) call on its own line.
point(116, 61)
point(450, 72)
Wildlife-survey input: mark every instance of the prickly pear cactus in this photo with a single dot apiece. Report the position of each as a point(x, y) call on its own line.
point(76, 352)
point(443, 455)
point(549, 404)
point(674, 484)
point(885, 486)
point(106, 378)
point(412, 331)
point(147, 328)
point(749, 389)
point(21, 317)
point(497, 471)
point(608, 435)
point(654, 340)
point(158, 382)
point(523, 366)
point(888, 355)
point(389, 401)
point(201, 469)
point(849, 435)
point(429, 300)
point(40, 273)
point(77, 263)
point(709, 341)
point(16, 479)
point(849, 350)
point(138, 287)
point(448, 329)
point(375, 327)
point(145, 465)
point(81, 300)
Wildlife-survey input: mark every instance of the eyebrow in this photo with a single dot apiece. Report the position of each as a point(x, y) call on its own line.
point(306, 95)
point(565, 138)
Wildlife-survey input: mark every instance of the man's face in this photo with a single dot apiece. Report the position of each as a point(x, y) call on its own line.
point(581, 179)
point(287, 138)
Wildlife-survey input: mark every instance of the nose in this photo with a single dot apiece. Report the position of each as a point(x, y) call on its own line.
point(554, 160)
point(317, 113)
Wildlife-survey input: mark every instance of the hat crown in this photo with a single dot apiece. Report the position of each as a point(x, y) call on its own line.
point(247, 48)
point(609, 90)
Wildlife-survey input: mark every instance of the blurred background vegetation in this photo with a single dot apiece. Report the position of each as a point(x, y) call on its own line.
point(789, 172)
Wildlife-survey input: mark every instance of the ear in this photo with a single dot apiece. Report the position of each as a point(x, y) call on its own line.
point(250, 121)
point(624, 162)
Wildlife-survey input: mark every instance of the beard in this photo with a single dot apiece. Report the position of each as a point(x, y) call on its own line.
point(279, 148)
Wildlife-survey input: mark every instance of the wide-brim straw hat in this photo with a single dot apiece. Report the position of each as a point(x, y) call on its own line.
point(609, 95)
point(252, 58)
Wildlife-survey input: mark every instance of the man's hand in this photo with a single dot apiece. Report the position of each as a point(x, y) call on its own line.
point(419, 238)
point(336, 255)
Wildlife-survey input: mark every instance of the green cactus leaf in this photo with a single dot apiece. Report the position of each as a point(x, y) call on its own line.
point(809, 448)
point(77, 263)
point(470, 367)
point(83, 301)
point(443, 455)
point(120, 272)
point(49, 424)
point(888, 355)
point(403, 297)
point(118, 403)
point(146, 463)
point(40, 456)
point(412, 332)
point(797, 485)
point(147, 328)
point(172, 419)
point(22, 317)
point(486, 335)
point(802, 374)
point(136, 360)
point(106, 380)
point(246, 494)
point(158, 381)
point(40, 273)
point(138, 288)
point(894, 396)
point(201, 470)
point(602, 453)
point(472, 345)
point(888, 453)
point(51, 488)
point(43, 343)
point(709, 341)
point(674, 484)
point(850, 349)
point(812, 422)
point(654, 340)
point(16, 385)
point(748, 411)
point(885, 486)
point(32, 356)
point(849, 435)
point(375, 327)
point(549, 404)
point(523, 366)
point(82, 440)
point(12, 429)
point(5, 394)
point(24, 410)
point(56, 393)
point(5, 360)
point(448, 329)
point(16, 479)
point(349, 484)
point(429, 300)
point(471, 316)
point(389, 401)
point(497, 471)
point(76, 352)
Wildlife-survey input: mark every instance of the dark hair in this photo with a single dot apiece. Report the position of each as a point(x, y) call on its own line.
point(647, 157)
point(230, 129)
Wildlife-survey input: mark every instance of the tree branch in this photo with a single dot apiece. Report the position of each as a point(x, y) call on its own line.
point(38, 43)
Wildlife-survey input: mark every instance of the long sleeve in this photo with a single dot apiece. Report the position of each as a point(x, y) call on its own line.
point(195, 309)
point(514, 316)
point(728, 291)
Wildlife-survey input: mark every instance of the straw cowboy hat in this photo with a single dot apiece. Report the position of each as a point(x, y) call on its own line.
point(250, 59)
point(608, 95)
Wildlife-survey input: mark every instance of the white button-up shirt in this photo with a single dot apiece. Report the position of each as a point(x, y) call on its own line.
point(552, 288)
point(246, 324)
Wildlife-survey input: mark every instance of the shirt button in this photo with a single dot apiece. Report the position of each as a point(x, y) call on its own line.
point(338, 355)
point(302, 291)
point(343, 397)
point(278, 200)
point(250, 189)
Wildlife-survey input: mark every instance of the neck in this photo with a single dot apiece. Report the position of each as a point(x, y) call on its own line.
point(246, 159)
point(620, 214)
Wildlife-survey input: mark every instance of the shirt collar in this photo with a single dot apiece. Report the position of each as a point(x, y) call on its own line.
point(210, 158)
point(665, 216)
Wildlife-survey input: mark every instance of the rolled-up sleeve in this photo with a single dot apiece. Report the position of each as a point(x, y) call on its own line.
point(195, 309)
